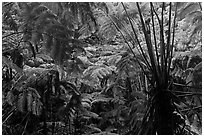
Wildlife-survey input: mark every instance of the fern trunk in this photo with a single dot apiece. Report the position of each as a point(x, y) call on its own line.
point(163, 113)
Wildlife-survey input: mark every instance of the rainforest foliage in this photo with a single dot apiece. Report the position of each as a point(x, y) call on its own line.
point(101, 68)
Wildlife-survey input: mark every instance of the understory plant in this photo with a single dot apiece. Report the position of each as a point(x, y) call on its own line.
point(162, 115)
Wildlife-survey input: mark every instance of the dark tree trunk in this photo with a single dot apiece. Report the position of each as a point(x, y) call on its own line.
point(164, 110)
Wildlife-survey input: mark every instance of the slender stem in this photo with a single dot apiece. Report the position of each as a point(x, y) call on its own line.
point(24, 129)
point(132, 39)
point(128, 45)
point(168, 44)
point(149, 47)
point(179, 99)
point(172, 44)
point(199, 107)
point(181, 92)
point(159, 21)
point(185, 95)
point(200, 6)
point(7, 117)
point(156, 15)
point(162, 44)
point(155, 40)
point(177, 84)
point(136, 37)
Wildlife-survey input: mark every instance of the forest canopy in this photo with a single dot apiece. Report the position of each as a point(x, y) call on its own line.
point(101, 68)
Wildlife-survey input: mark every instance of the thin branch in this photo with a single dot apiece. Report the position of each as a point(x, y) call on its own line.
point(181, 92)
point(177, 84)
point(168, 44)
point(128, 45)
point(179, 99)
point(24, 129)
point(162, 45)
point(10, 114)
point(133, 40)
point(199, 107)
point(155, 40)
point(185, 95)
point(136, 37)
point(149, 46)
point(200, 6)
point(172, 44)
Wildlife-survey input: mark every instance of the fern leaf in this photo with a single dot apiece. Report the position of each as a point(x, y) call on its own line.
point(86, 105)
point(197, 29)
point(191, 6)
point(94, 73)
point(10, 64)
point(22, 102)
point(198, 66)
point(113, 60)
point(85, 60)
point(34, 92)
point(34, 107)
point(29, 100)
point(39, 106)
point(91, 114)
point(10, 98)
point(195, 14)
point(103, 72)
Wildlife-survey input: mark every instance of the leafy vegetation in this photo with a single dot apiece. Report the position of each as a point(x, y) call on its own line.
point(101, 68)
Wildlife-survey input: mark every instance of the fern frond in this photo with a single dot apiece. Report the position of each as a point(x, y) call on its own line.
point(10, 98)
point(197, 18)
point(39, 107)
point(10, 64)
point(29, 100)
point(107, 28)
point(9, 20)
point(128, 65)
point(190, 7)
point(197, 29)
point(94, 74)
point(22, 102)
point(195, 13)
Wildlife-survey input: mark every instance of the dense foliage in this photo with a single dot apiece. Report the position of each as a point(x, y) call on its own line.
point(101, 68)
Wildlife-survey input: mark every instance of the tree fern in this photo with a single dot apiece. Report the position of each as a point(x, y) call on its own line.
point(160, 71)
point(56, 37)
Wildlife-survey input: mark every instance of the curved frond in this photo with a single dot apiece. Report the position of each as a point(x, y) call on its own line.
point(93, 74)
point(190, 7)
